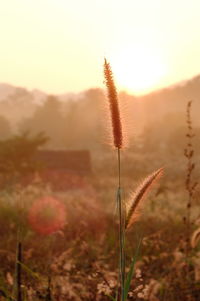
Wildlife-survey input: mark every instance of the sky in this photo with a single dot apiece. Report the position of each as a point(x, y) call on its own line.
point(58, 46)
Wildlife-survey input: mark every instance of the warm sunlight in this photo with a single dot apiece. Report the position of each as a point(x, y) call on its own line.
point(50, 44)
point(138, 69)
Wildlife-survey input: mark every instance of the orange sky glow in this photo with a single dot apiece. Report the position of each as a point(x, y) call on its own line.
point(59, 46)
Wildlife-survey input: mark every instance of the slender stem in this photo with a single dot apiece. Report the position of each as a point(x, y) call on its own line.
point(119, 168)
point(121, 232)
point(18, 267)
point(189, 152)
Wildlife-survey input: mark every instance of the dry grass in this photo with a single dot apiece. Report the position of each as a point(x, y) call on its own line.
point(80, 260)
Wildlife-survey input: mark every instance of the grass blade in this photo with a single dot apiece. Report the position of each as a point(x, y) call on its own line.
point(131, 271)
point(28, 270)
point(111, 297)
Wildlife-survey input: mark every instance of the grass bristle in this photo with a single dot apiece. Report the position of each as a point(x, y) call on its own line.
point(114, 106)
point(138, 196)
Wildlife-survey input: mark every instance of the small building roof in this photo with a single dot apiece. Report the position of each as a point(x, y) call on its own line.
point(78, 161)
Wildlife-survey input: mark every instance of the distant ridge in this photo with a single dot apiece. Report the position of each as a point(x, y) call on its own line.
point(38, 96)
point(192, 82)
point(17, 103)
point(8, 89)
point(172, 99)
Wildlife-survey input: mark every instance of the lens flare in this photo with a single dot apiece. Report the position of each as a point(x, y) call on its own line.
point(47, 215)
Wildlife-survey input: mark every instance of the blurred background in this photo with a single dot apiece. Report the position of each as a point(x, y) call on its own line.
point(58, 168)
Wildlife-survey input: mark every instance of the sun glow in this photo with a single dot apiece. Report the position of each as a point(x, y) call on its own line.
point(138, 69)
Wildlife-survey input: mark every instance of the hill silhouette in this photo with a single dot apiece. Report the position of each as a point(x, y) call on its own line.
point(84, 113)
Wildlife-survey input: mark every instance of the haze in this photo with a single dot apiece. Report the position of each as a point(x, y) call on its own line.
point(58, 45)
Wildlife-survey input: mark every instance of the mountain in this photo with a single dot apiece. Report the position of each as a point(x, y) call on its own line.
point(172, 101)
point(8, 91)
point(5, 90)
point(17, 103)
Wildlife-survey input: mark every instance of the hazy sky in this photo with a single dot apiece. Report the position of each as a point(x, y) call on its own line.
point(59, 45)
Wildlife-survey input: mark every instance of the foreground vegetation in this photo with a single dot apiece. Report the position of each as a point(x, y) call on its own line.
point(67, 245)
point(80, 262)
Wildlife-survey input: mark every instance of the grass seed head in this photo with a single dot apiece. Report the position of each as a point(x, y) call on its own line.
point(137, 197)
point(114, 106)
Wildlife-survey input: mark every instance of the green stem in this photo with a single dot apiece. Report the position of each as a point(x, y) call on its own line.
point(119, 168)
point(121, 232)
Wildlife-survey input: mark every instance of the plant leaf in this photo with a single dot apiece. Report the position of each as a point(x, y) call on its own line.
point(111, 297)
point(28, 270)
point(131, 271)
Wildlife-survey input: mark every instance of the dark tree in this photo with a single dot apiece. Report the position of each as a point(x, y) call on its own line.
point(17, 153)
point(48, 119)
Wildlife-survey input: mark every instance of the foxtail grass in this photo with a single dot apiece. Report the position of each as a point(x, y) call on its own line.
point(118, 144)
point(114, 106)
point(126, 216)
point(133, 205)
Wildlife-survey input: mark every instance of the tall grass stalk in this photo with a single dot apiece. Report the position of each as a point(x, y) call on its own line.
point(126, 212)
point(118, 143)
point(190, 185)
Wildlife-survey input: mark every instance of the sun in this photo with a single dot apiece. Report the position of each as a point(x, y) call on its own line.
point(138, 69)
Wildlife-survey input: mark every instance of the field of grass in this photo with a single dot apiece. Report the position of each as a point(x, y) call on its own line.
point(80, 260)
point(86, 242)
